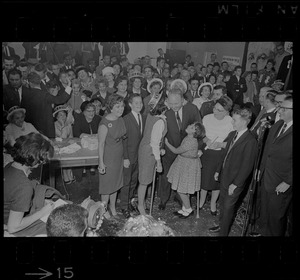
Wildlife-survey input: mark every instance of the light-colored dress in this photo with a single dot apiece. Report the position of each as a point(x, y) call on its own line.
point(13, 131)
point(185, 172)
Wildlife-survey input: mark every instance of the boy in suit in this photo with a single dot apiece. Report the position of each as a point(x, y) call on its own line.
point(234, 168)
point(134, 123)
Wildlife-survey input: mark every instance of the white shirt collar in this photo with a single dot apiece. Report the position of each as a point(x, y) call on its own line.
point(271, 110)
point(240, 133)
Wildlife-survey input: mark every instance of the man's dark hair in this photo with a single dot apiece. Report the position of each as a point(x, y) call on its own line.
point(68, 220)
point(14, 71)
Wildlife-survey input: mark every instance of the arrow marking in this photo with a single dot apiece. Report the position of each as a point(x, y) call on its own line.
point(43, 274)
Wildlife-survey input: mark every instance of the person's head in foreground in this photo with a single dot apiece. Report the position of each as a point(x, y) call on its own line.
point(68, 220)
point(145, 225)
point(32, 150)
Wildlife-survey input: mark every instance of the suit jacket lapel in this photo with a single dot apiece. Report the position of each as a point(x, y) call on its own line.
point(240, 140)
point(134, 121)
point(287, 132)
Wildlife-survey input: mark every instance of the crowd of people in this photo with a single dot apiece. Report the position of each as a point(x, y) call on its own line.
point(200, 128)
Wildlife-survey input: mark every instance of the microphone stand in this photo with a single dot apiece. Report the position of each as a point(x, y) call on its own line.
point(250, 207)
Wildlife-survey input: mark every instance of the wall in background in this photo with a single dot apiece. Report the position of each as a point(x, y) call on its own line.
point(198, 49)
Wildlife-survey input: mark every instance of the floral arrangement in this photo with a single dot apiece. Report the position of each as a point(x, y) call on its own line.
point(145, 225)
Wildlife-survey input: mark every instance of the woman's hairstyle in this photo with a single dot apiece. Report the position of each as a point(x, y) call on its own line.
point(113, 100)
point(87, 104)
point(102, 80)
point(226, 102)
point(120, 80)
point(200, 131)
point(155, 83)
point(244, 113)
point(32, 149)
point(159, 108)
point(67, 220)
point(52, 84)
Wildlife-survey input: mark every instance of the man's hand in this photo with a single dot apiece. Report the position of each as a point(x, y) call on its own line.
point(200, 153)
point(282, 187)
point(126, 163)
point(231, 189)
point(216, 176)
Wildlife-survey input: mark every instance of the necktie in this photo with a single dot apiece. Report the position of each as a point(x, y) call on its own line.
point(282, 129)
point(178, 121)
point(140, 123)
point(230, 146)
point(261, 113)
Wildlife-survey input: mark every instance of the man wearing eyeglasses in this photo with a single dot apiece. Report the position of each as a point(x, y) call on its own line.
point(276, 172)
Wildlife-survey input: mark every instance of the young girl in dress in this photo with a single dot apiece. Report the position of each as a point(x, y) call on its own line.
point(185, 172)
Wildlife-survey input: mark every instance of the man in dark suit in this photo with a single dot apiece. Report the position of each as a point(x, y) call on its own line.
point(234, 168)
point(13, 92)
point(285, 72)
point(268, 113)
point(135, 124)
point(7, 50)
point(164, 56)
point(38, 105)
point(236, 86)
point(9, 63)
point(179, 116)
point(277, 172)
point(191, 94)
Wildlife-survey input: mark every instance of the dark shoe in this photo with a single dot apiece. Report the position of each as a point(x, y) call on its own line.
point(214, 229)
point(92, 171)
point(83, 174)
point(176, 199)
point(67, 182)
point(162, 206)
point(126, 213)
point(132, 208)
point(213, 213)
point(185, 217)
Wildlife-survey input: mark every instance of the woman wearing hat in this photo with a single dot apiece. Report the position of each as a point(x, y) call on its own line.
point(217, 127)
point(155, 87)
point(135, 84)
point(63, 130)
point(108, 74)
point(17, 126)
point(204, 92)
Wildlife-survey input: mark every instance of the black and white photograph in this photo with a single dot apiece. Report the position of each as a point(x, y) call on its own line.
point(139, 139)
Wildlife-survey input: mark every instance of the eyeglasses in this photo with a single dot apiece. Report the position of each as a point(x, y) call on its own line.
point(284, 108)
